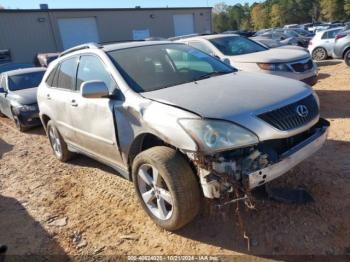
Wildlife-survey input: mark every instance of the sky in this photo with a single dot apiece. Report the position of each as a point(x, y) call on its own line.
point(31, 4)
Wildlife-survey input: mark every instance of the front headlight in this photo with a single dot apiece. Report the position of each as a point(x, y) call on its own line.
point(26, 108)
point(274, 67)
point(215, 135)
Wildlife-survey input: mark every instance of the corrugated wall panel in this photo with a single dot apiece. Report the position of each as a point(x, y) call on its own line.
point(25, 35)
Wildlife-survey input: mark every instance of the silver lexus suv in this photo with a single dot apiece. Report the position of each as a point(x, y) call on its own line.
point(179, 123)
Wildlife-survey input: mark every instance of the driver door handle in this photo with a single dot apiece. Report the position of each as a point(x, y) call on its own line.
point(74, 103)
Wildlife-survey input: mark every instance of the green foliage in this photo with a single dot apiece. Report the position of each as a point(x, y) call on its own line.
point(332, 9)
point(276, 13)
point(221, 22)
point(347, 8)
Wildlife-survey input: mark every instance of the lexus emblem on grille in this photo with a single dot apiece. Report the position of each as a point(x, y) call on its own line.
point(302, 110)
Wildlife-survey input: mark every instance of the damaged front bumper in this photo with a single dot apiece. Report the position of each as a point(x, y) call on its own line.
point(289, 159)
point(245, 169)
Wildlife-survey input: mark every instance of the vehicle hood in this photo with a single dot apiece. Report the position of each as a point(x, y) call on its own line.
point(24, 97)
point(233, 96)
point(271, 56)
point(293, 47)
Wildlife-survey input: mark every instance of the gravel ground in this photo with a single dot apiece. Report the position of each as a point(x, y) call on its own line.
point(83, 207)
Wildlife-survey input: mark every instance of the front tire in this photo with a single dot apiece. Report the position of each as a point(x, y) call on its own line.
point(347, 58)
point(18, 123)
point(166, 187)
point(319, 54)
point(58, 145)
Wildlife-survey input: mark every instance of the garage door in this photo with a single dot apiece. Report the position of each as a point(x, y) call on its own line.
point(183, 24)
point(76, 31)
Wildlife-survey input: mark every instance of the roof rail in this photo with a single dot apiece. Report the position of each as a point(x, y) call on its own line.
point(120, 41)
point(80, 47)
point(189, 36)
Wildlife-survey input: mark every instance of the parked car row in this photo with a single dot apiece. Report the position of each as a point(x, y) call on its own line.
point(288, 36)
point(322, 40)
point(180, 123)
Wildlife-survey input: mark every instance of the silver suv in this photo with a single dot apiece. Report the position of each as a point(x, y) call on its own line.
point(342, 46)
point(179, 123)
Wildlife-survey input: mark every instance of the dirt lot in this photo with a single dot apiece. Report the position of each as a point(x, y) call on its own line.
point(84, 207)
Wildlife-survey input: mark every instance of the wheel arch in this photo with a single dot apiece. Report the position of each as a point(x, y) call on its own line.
point(146, 141)
point(45, 120)
point(141, 143)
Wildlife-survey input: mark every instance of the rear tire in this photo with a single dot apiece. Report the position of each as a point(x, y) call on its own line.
point(347, 58)
point(163, 172)
point(319, 54)
point(58, 145)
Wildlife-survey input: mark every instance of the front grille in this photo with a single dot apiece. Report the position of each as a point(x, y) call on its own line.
point(287, 118)
point(303, 66)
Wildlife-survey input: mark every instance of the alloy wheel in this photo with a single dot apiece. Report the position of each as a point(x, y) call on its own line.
point(155, 192)
point(319, 54)
point(55, 142)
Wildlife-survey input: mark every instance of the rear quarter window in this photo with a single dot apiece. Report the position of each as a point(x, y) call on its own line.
point(50, 79)
point(3, 81)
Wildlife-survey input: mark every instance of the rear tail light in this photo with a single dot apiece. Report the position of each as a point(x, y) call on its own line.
point(339, 36)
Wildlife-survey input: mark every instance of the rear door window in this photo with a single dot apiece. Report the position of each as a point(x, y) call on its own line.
point(66, 77)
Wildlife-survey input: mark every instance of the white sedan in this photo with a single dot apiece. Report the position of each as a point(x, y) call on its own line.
point(247, 55)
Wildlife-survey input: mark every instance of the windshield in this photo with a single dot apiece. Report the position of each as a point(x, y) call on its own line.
point(302, 32)
point(290, 33)
point(24, 81)
point(149, 68)
point(236, 45)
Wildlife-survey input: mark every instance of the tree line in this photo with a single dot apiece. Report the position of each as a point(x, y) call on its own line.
point(276, 13)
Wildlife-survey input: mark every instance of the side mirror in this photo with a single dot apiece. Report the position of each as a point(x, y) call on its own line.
point(94, 89)
point(2, 90)
point(226, 61)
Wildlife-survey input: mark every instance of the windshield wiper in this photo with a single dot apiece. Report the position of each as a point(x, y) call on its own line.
point(209, 75)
